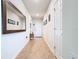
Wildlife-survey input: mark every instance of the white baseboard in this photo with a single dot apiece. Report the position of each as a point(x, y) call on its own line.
point(52, 50)
point(21, 49)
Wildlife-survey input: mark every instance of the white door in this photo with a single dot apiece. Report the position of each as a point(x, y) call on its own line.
point(58, 29)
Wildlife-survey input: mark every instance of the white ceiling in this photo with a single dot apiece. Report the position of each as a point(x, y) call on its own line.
point(37, 8)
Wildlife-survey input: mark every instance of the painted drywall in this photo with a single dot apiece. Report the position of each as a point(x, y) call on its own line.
point(0, 28)
point(70, 30)
point(58, 29)
point(52, 31)
point(37, 27)
point(13, 43)
point(48, 32)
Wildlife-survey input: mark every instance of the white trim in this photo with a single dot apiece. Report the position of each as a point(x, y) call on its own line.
point(52, 50)
point(21, 49)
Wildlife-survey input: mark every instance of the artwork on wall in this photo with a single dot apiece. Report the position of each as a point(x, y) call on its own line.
point(33, 24)
point(45, 22)
point(10, 21)
point(17, 23)
point(49, 16)
point(11, 24)
point(54, 9)
point(48, 19)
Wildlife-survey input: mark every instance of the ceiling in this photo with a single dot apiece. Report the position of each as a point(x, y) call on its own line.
point(36, 8)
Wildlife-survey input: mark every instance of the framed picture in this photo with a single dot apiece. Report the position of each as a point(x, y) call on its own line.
point(13, 19)
point(49, 16)
point(45, 22)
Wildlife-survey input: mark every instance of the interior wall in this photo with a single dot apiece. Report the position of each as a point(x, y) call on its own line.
point(12, 44)
point(0, 27)
point(37, 27)
point(52, 31)
point(70, 29)
point(48, 32)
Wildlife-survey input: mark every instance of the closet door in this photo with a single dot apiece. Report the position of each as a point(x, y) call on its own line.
point(58, 29)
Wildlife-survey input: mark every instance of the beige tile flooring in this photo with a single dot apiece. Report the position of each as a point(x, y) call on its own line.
point(36, 49)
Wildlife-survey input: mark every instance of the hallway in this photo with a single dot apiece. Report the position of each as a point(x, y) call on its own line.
point(51, 24)
point(36, 49)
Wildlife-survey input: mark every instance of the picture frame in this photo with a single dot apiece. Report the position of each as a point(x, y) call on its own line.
point(10, 25)
point(45, 22)
point(49, 17)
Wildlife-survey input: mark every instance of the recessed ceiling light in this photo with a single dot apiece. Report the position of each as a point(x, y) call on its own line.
point(37, 14)
point(36, 1)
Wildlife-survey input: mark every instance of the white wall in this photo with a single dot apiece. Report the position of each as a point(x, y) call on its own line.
point(48, 32)
point(69, 35)
point(70, 30)
point(58, 29)
point(0, 27)
point(37, 28)
point(13, 43)
point(52, 30)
